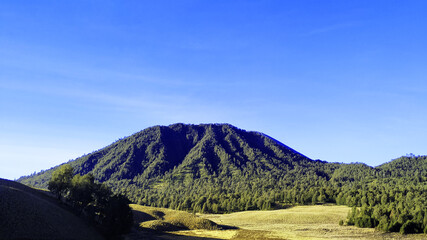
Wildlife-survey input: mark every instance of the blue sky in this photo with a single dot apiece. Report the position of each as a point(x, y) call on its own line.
point(341, 81)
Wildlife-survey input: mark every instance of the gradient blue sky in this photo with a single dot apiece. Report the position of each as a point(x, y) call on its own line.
point(341, 81)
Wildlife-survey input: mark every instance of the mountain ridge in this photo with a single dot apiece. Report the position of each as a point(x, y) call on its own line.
point(181, 150)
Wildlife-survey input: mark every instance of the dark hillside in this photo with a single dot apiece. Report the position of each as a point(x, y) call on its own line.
point(27, 213)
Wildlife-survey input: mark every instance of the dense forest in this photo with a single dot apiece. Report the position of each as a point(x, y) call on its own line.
point(219, 168)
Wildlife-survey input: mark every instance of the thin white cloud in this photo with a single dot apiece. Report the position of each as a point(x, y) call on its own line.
point(165, 106)
point(333, 27)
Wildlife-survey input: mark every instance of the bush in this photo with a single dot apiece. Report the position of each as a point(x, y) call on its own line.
point(384, 223)
point(410, 227)
point(364, 222)
point(394, 226)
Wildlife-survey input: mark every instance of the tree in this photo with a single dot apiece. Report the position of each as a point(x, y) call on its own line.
point(111, 213)
point(82, 188)
point(61, 180)
point(118, 216)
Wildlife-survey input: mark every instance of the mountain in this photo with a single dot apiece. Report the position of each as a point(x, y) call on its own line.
point(170, 161)
point(28, 213)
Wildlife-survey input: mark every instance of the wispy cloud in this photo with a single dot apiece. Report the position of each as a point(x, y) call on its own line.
point(167, 106)
point(333, 27)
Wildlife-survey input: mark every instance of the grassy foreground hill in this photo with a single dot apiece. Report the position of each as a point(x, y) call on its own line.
point(27, 213)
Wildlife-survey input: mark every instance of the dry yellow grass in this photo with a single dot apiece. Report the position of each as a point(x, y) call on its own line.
point(300, 223)
point(161, 219)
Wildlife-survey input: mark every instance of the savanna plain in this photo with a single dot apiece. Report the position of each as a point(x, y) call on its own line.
point(300, 222)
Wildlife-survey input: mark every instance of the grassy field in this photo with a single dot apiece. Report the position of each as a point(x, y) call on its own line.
point(302, 222)
point(28, 213)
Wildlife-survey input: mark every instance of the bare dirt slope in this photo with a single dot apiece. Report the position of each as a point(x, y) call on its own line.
point(27, 213)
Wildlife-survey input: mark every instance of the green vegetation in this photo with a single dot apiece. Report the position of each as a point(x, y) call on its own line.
point(395, 201)
point(95, 202)
point(218, 168)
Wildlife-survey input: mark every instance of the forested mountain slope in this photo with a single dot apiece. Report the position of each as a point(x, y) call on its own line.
point(195, 160)
point(408, 166)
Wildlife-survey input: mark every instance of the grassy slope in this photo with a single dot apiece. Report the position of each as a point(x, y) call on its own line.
point(163, 219)
point(28, 213)
point(302, 222)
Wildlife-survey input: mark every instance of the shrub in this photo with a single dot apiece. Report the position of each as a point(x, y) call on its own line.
point(394, 226)
point(410, 227)
point(364, 222)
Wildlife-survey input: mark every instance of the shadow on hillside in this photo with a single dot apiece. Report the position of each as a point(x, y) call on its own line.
point(141, 216)
point(148, 235)
point(28, 213)
point(226, 227)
